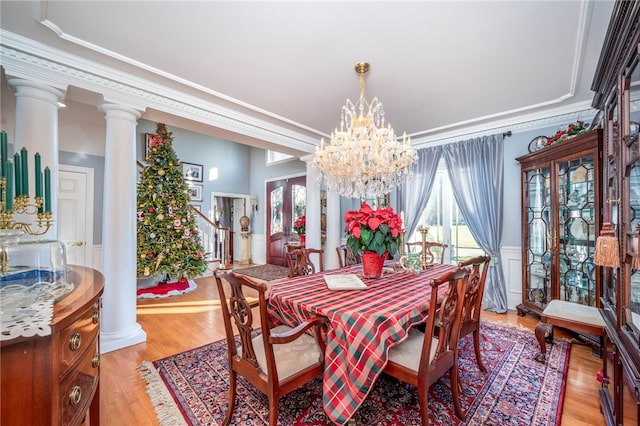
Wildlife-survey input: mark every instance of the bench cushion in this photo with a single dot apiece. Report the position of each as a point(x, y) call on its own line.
point(573, 312)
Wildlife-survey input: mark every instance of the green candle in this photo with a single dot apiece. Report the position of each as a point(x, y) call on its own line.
point(25, 171)
point(18, 174)
point(47, 190)
point(38, 175)
point(8, 203)
point(3, 152)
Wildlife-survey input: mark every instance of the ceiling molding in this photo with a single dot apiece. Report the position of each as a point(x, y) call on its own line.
point(24, 58)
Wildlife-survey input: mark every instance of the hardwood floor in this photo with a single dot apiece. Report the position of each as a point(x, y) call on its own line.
point(178, 323)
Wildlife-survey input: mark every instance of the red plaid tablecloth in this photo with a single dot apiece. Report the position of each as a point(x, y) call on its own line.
point(364, 325)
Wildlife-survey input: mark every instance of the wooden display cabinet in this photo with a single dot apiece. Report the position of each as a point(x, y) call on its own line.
point(617, 87)
point(560, 219)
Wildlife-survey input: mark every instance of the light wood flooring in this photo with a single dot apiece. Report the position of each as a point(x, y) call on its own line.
point(178, 323)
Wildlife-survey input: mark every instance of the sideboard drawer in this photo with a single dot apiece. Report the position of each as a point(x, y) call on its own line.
point(79, 386)
point(75, 338)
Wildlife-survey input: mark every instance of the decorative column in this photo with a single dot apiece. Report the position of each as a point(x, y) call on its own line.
point(314, 237)
point(335, 227)
point(36, 129)
point(118, 326)
point(244, 234)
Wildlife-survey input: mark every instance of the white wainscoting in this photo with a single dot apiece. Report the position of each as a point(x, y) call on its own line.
point(97, 257)
point(258, 249)
point(512, 268)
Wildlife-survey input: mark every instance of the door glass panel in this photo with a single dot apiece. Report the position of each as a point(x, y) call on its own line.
point(577, 230)
point(299, 202)
point(276, 211)
point(537, 232)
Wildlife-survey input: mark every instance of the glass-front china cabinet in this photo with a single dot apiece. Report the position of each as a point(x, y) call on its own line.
point(560, 216)
point(617, 88)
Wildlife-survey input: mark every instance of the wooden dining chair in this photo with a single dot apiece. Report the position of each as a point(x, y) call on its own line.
point(299, 261)
point(425, 357)
point(473, 302)
point(435, 251)
point(347, 257)
point(276, 361)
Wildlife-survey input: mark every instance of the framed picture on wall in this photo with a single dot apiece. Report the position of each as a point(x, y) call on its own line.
point(195, 192)
point(192, 172)
point(149, 142)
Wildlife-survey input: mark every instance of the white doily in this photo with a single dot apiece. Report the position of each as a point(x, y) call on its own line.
point(27, 310)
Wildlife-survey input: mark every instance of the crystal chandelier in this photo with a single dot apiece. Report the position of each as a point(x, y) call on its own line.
point(364, 159)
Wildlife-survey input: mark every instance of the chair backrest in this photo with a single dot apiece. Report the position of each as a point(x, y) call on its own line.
point(299, 261)
point(237, 311)
point(448, 314)
point(478, 267)
point(434, 251)
point(347, 257)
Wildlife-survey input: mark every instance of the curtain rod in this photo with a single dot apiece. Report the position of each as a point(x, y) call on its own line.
point(507, 134)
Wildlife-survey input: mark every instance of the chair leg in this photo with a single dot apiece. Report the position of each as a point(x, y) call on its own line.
point(476, 346)
point(455, 390)
point(232, 398)
point(273, 410)
point(423, 394)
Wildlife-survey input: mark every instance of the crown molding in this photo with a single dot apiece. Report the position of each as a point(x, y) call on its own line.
point(27, 59)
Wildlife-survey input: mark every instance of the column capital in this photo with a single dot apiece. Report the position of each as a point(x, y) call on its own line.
point(36, 90)
point(120, 111)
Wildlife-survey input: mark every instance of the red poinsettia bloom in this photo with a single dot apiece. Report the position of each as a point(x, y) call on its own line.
point(300, 225)
point(373, 230)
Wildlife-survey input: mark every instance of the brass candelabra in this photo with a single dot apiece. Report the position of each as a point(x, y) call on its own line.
point(424, 260)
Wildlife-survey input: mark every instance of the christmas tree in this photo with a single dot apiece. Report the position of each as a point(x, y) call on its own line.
point(168, 239)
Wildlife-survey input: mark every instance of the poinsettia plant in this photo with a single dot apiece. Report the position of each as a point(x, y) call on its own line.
point(373, 230)
point(300, 225)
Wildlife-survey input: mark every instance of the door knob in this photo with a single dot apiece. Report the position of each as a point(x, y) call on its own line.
point(78, 244)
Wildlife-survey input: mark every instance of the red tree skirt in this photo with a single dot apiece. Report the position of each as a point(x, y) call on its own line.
point(168, 289)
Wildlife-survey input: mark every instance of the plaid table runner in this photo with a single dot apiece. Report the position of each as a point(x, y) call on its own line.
point(364, 325)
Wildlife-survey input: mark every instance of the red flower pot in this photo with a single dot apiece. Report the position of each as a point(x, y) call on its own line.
point(372, 264)
point(303, 239)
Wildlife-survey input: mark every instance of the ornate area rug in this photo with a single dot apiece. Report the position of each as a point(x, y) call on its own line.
point(265, 272)
point(191, 388)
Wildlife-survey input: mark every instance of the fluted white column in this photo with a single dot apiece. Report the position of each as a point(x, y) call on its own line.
point(119, 327)
point(37, 130)
point(314, 237)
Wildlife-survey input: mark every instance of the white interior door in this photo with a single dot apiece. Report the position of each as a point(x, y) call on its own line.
point(75, 213)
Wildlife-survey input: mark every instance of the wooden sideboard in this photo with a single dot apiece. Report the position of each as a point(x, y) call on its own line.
point(54, 380)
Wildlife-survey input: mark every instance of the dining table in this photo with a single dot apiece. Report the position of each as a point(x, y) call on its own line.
point(363, 324)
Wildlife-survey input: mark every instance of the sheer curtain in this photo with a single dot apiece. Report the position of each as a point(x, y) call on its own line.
point(414, 194)
point(475, 170)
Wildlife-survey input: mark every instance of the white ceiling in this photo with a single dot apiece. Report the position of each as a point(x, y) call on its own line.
point(441, 68)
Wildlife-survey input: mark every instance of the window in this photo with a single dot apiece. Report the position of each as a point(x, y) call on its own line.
point(274, 157)
point(445, 222)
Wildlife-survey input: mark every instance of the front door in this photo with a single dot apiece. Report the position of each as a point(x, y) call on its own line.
point(286, 201)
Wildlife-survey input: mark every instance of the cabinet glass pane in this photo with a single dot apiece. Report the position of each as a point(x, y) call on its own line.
point(537, 207)
point(611, 195)
point(576, 230)
point(631, 297)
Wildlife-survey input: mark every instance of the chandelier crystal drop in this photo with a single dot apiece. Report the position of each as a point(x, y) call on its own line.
point(364, 159)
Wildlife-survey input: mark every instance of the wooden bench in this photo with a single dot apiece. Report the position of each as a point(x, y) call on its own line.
point(571, 316)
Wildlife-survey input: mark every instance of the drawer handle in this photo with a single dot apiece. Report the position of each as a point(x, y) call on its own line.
point(75, 396)
point(75, 341)
point(96, 317)
point(95, 361)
